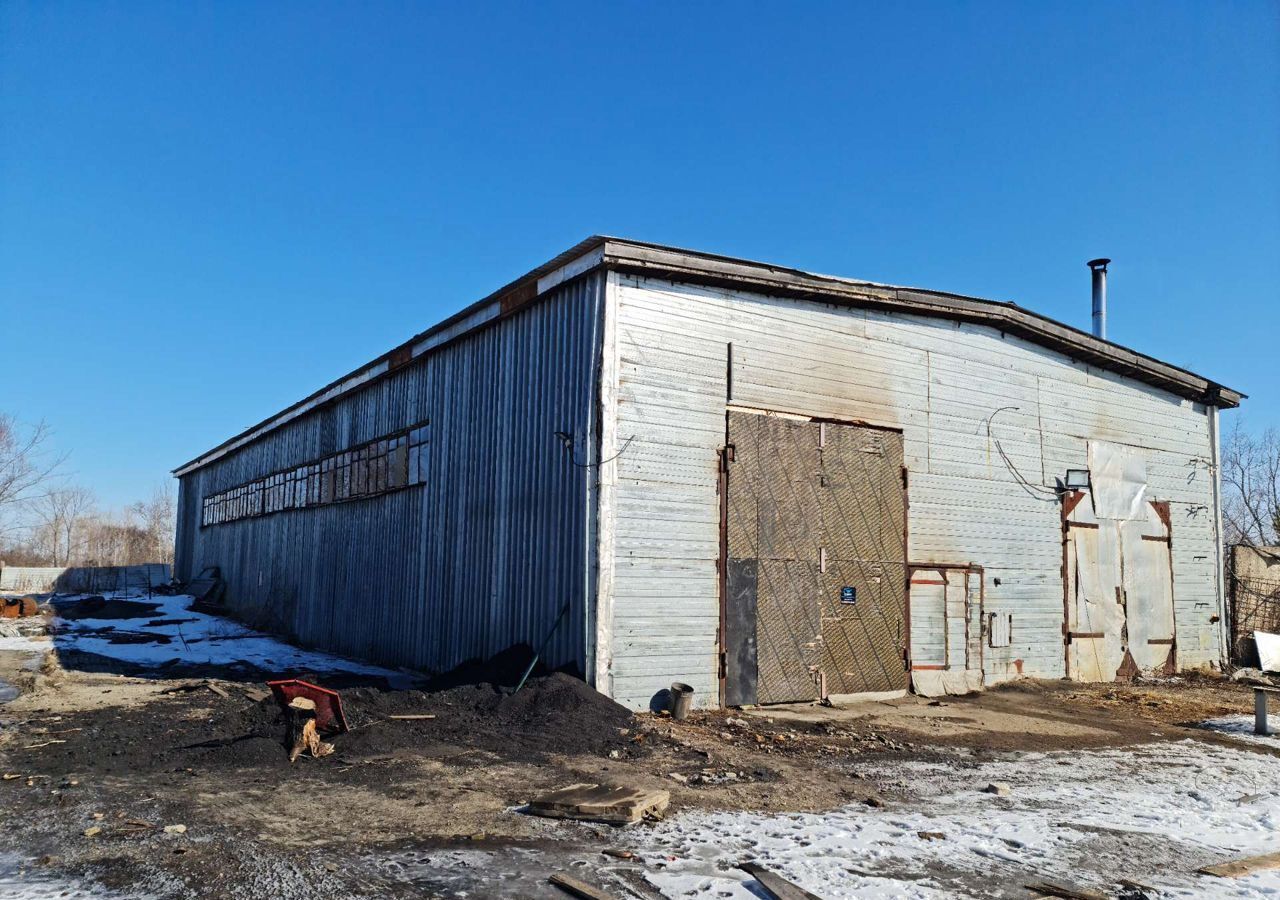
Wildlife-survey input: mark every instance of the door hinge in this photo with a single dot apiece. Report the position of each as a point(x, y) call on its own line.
point(724, 664)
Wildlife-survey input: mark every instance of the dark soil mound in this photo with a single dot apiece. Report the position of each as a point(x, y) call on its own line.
point(557, 714)
point(503, 669)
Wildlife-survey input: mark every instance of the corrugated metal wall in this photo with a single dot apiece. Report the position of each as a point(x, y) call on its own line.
point(481, 557)
point(936, 380)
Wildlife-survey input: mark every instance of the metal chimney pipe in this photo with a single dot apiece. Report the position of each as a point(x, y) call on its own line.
point(1099, 269)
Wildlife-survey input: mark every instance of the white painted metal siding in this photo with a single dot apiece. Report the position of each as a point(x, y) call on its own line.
point(939, 382)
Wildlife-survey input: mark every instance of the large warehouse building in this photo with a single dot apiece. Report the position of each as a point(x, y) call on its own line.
point(765, 483)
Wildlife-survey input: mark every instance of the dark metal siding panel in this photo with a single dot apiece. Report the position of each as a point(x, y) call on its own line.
point(481, 557)
point(188, 522)
point(741, 661)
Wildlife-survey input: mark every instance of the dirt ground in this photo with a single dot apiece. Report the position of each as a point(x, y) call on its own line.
point(96, 763)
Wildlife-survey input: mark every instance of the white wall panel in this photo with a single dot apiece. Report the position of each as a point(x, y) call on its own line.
point(938, 381)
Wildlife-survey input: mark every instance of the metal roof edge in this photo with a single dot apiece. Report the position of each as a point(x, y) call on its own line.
point(460, 323)
point(691, 266)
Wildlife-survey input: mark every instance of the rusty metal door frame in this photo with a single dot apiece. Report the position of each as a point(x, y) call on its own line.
point(725, 456)
point(969, 569)
point(1069, 502)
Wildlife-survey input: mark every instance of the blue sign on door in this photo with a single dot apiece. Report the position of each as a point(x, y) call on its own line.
point(848, 594)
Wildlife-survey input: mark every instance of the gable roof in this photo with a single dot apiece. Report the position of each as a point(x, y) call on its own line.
point(693, 267)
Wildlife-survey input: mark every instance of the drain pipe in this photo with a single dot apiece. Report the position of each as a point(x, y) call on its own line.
point(1099, 269)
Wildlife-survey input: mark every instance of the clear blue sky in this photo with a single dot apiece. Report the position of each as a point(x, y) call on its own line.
point(208, 210)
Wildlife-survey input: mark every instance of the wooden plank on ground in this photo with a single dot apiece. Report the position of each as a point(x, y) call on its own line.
point(414, 717)
point(1057, 889)
point(601, 803)
point(775, 885)
point(1237, 867)
point(578, 888)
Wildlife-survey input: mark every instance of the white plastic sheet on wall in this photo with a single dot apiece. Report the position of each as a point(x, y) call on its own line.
point(1118, 477)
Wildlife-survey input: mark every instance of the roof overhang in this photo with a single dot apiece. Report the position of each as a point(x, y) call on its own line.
point(719, 271)
point(658, 261)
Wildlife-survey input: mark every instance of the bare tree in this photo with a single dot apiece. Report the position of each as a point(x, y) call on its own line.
point(1251, 487)
point(63, 513)
point(25, 465)
point(158, 519)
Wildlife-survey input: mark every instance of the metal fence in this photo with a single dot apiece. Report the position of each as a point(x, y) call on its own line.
point(1254, 579)
point(82, 579)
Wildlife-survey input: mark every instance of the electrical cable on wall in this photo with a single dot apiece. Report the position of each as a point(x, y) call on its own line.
point(1034, 490)
point(568, 440)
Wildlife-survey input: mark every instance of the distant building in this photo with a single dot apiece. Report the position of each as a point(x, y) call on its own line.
point(761, 482)
point(1253, 575)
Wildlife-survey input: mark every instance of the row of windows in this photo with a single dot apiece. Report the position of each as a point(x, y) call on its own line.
point(387, 464)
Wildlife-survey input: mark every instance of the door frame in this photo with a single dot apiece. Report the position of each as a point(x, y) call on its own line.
point(724, 456)
point(968, 569)
point(1072, 499)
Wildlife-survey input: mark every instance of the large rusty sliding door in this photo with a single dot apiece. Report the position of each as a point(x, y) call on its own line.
point(816, 560)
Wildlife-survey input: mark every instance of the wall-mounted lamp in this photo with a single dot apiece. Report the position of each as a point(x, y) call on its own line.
point(1077, 479)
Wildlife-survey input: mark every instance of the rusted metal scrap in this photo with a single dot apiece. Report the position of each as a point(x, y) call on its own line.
point(18, 607)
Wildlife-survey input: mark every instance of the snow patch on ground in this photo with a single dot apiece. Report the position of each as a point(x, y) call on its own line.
point(1073, 815)
point(23, 879)
point(191, 638)
point(1241, 727)
point(24, 635)
point(24, 644)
